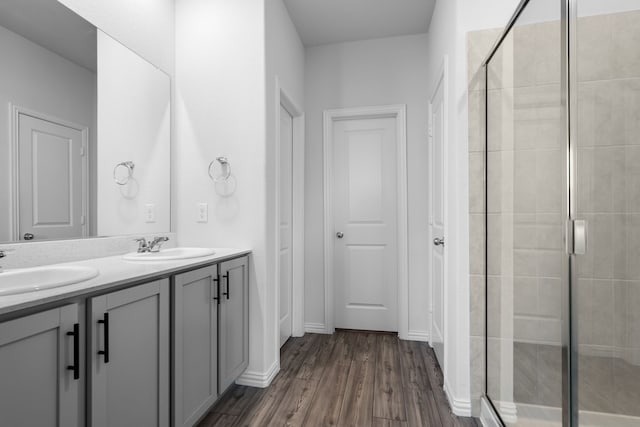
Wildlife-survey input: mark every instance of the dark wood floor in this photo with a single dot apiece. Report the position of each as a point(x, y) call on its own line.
point(345, 379)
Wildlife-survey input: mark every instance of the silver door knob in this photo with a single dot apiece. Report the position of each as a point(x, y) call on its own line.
point(28, 236)
point(339, 234)
point(438, 241)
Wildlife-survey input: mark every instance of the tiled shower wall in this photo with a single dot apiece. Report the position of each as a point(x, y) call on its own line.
point(527, 142)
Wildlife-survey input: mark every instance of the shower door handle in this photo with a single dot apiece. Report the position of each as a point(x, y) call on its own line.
point(579, 237)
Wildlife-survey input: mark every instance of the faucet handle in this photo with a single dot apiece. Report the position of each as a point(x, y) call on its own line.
point(142, 244)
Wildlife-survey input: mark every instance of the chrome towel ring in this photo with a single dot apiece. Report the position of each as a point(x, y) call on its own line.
point(130, 166)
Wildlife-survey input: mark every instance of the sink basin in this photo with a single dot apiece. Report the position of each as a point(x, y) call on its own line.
point(23, 280)
point(169, 254)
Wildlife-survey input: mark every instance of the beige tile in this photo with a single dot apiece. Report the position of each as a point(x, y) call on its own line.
point(476, 121)
point(476, 244)
point(550, 180)
point(620, 296)
point(625, 54)
point(550, 263)
point(584, 296)
point(601, 245)
point(476, 182)
point(550, 297)
point(603, 313)
point(525, 296)
point(525, 182)
point(494, 244)
point(477, 301)
point(524, 57)
point(479, 43)
point(595, 48)
point(494, 306)
point(477, 372)
point(523, 261)
point(548, 53)
point(632, 169)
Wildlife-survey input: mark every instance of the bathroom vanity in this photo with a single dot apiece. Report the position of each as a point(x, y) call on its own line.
point(146, 343)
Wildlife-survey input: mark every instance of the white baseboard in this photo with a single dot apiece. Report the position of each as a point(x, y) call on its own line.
point(315, 328)
point(487, 417)
point(259, 379)
point(459, 407)
point(422, 336)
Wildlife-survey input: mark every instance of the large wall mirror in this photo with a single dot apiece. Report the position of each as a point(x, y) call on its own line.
point(85, 140)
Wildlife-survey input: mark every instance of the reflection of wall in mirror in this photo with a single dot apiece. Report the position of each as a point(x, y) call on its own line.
point(133, 125)
point(37, 79)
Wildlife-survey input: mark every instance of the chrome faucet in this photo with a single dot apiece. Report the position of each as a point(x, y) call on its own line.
point(154, 245)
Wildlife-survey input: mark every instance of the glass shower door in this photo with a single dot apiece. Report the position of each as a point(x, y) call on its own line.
point(527, 264)
point(606, 195)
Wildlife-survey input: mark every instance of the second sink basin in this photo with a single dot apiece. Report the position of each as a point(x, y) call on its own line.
point(170, 254)
point(23, 280)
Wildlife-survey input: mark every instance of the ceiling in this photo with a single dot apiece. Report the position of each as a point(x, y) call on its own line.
point(38, 20)
point(333, 21)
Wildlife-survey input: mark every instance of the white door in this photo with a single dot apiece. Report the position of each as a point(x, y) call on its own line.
point(437, 222)
point(50, 179)
point(286, 185)
point(365, 218)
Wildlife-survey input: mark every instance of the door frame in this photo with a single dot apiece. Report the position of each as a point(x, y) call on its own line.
point(399, 112)
point(441, 81)
point(282, 98)
point(14, 151)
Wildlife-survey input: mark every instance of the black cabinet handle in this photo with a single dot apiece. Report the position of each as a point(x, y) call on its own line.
point(105, 352)
point(216, 280)
point(226, 276)
point(76, 351)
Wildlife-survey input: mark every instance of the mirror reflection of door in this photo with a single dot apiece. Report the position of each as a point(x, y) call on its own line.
point(51, 179)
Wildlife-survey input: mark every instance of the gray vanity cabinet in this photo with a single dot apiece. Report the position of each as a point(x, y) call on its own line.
point(195, 362)
point(129, 357)
point(233, 338)
point(40, 369)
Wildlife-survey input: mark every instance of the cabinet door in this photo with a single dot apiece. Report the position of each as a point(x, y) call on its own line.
point(130, 357)
point(233, 333)
point(195, 331)
point(36, 386)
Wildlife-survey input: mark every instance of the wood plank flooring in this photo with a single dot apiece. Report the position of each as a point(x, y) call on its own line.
point(357, 379)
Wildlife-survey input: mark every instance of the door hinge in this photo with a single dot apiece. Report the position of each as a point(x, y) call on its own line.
point(430, 132)
point(83, 152)
point(82, 220)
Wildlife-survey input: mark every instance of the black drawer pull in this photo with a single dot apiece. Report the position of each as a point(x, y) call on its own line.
point(76, 351)
point(216, 280)
point(105, 352)
point(226, 276)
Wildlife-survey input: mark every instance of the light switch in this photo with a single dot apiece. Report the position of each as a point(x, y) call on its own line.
point(203, 212)
point(149, 213)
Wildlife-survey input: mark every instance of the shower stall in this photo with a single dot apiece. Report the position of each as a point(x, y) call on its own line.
point(562, 215)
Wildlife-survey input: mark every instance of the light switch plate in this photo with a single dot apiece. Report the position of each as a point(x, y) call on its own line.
point(203, 212)
point(149, 213)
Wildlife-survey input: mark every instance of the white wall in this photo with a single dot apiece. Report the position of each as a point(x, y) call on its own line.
point(134, 115)
point(447, 36)
point(38, 79)
point(220, 111)
point(145, 26)
point(284, 61)
point(365, 73)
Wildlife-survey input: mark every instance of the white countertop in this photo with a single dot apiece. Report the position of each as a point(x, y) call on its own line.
point(114, 272)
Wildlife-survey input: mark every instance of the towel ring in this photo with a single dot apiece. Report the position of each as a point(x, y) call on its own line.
point(226, 167)
point(130, 167)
